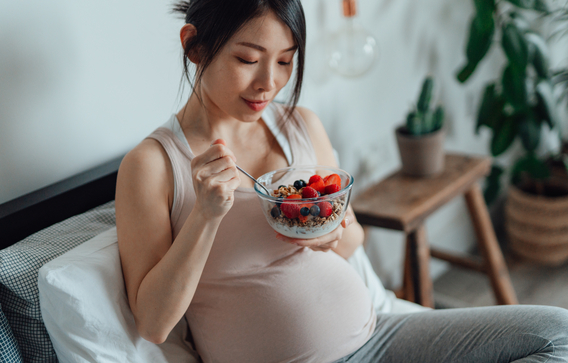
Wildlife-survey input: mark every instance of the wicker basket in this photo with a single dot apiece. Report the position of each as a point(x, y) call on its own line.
point(537, 226)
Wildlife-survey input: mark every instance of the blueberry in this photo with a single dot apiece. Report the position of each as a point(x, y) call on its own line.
point(319, 194)
point(304, 211)
point(298, 184)
point(275, 212)
point(314, 210)
point(304, 184)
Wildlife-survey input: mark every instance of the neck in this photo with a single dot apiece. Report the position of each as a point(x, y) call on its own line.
point(210, 123)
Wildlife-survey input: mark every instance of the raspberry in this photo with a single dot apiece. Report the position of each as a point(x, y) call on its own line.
point(309, 192)
point(290, 210)
point(332, 188)
point(325, 209)
point(314, 179)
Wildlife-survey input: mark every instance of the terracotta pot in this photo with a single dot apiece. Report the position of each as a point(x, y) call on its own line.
point(537, 226)
point(421, 156)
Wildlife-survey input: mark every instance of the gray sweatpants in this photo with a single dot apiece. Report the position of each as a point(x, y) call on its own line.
point(520, 333)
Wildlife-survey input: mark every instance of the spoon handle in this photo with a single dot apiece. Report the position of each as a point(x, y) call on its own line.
point(256, 181)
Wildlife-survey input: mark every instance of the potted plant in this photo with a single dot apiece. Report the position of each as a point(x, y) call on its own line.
point(421, 140)
point(519, 106)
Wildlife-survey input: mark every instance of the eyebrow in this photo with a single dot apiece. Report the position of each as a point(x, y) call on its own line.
point(262, 49)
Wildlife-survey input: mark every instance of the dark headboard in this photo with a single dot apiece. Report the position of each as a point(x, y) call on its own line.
point(32, 212)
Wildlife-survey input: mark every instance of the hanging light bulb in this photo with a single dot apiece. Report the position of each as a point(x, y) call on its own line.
point(353, 49)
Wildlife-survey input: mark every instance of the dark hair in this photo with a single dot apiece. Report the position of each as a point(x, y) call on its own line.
point(217, 21)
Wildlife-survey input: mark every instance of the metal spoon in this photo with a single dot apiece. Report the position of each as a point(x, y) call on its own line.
point(256, 181)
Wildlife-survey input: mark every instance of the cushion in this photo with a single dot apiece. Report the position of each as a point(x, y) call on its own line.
point(9, 351)
point(19, 266)
point(85, 309)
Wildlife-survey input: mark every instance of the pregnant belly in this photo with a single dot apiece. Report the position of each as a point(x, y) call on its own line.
point(310, 307)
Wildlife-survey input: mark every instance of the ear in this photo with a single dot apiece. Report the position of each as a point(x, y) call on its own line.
point(187, 32)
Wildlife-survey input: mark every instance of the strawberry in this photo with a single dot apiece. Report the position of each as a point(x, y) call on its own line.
point(332, 188)
point(318, 186)
point(294, 196)
point(309, 192)
point(290, 210)
point(314, 178)
point(332, 179)
point(325, 209)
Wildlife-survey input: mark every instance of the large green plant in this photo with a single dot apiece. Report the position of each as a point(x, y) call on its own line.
point(521, 102)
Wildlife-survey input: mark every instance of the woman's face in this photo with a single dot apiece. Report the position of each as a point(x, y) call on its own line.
point(250, 70)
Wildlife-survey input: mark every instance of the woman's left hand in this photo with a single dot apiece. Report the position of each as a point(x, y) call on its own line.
point(325, 242)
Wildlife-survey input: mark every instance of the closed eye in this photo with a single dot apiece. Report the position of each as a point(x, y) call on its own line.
point(284, 63)
point(244, 61)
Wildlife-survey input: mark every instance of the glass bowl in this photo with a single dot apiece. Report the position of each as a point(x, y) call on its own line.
point(304, 217)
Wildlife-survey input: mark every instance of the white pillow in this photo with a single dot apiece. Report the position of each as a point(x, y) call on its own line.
point(85, 309)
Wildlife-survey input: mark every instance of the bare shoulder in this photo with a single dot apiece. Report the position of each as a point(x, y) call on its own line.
point(312, 120)
point(318, 135)
point(145, 179)
point(147, 163)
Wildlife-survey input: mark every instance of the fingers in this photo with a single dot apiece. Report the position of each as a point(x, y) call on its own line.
point(219, 141)
point(323, 243)
point(219, 149)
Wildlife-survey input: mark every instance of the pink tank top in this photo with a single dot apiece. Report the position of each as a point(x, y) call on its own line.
point(260, 299)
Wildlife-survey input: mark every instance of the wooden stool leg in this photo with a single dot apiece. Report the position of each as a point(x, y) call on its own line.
point(419, 258)
point(407, 284)
point(487, 241)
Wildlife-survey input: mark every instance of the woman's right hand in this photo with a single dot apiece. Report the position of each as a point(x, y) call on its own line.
point(215, 178)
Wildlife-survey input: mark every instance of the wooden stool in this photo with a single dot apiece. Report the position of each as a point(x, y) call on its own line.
point(403, 203)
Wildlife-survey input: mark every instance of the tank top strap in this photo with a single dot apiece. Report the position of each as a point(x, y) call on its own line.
point(180, 159)
point(296, 133)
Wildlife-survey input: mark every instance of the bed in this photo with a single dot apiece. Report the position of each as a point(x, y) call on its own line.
point(62, 296)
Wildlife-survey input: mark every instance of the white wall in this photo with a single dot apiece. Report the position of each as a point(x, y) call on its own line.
point(83, 82)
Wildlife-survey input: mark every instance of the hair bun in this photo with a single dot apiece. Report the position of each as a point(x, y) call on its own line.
point(181, 7)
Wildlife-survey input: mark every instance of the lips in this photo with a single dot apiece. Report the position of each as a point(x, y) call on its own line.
point(256, 105)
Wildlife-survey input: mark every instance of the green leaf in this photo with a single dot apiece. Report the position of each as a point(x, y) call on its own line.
point(529, 132)
point(546, 105)
point(493, 184)
point(466, 72)
point(480, 39)
point(425, 94)
point(538, 54)
point(530, 165)
point(539, 5)
point(485, 10)
point(491, 108)
point(504, 134)
point(514, 87)
point(515, 46)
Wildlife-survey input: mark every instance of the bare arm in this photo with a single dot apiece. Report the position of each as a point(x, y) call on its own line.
point(161, 274)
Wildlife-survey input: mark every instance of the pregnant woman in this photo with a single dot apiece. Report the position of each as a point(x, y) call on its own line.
point(194, 243)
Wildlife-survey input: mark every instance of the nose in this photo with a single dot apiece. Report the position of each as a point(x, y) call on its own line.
point(265, 79)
